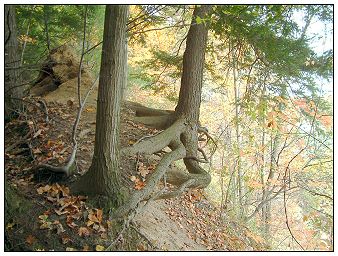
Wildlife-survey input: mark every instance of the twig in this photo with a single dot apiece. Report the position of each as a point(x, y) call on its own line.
point(82, 54)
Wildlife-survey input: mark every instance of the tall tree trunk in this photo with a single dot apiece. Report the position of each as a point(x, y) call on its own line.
point(182, 126)
point(103, 177)
point(189, 102)
point(193, 63)
point(238, 143)
point(13, 90)
point(45, 16)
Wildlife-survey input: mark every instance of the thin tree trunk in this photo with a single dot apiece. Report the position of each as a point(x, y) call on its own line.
point(238, 146)
point(12, 62)
point(103, 177)
point(45, 12)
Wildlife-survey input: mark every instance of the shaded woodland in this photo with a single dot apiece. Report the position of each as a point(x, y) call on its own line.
point(168, 127)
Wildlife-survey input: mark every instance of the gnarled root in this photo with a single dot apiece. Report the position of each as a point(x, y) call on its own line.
point(182, 139)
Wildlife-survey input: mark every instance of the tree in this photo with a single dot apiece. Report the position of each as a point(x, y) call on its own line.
point(103, 177)
point(181, 126)
point(13, 88)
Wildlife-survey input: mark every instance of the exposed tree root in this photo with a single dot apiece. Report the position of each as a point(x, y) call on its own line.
point(182, 138)
point(141, 110)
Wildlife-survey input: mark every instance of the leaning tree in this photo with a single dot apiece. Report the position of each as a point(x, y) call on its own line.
point(180, 127)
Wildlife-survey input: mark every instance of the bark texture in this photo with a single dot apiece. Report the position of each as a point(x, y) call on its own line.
point(13, 90)
point(103, 177)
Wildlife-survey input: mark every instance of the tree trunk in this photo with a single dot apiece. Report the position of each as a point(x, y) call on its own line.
point(239, 176)
point(189, 102)
point(45, 16)
point(182, 126)
point(13, 92)
point(193, 62)
point(103, 177)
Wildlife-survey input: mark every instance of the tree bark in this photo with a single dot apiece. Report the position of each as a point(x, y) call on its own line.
point(103, 177)
point(193, 63)
point(13, 92)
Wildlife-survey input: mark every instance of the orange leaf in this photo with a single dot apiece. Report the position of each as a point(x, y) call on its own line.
point(30, 239)
point(65, 239)
point(83, 231)
point(139, 185)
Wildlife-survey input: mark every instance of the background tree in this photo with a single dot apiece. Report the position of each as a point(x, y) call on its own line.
point(13, 88)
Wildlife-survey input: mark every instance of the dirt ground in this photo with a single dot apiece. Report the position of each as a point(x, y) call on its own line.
point(51, 218)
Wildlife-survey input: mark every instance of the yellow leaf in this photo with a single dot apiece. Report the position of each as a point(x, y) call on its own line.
point(99, 215)
point(99, 248)
point(43, 189)
point(10, 225)
point(86, 248)
point(133, 178)
point(89, 223)
point(89, 109)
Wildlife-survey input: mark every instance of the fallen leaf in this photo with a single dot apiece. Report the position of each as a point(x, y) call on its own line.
point(99, 215)
point(143, 170)
point(102, 229)
point(83, 231)
point(70, 222)
point(140, 247)
point(65, 239)
point(139, 185)
point(89, 109)
point(30, 239)
point(43, 189)
point(99, 248)
point(59, 228)
point(58, 212)
point(93, 217)
point(10, 225)
point(133, 178)
point(89, 223)
point(86, 248)
point(70, 249)
point(46, 225)
point(104, 235)
point(96, 227)
point(37, 133)
point(37, 151)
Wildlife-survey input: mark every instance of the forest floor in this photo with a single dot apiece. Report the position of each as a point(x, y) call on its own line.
point(51, 218)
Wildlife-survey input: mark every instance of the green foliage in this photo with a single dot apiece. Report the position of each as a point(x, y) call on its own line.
point(65, 25)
